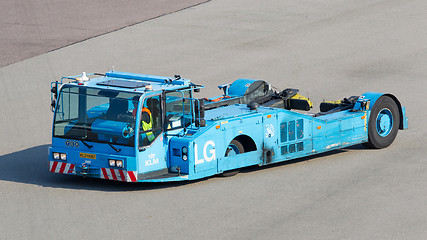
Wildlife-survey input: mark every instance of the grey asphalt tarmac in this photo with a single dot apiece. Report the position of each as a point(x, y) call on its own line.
point(30, 28)
point(328, 49)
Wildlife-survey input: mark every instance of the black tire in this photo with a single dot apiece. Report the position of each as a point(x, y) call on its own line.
point(241, 149)
point(377, 136)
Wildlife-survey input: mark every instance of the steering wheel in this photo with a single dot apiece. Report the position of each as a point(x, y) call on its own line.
point(128, 131)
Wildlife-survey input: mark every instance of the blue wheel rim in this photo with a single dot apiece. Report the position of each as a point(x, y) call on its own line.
point(234, 150)
point(384, 122)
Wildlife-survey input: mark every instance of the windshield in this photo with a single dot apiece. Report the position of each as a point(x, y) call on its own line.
point(97, 115)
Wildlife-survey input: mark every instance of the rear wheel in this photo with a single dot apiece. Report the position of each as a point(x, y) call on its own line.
point(234, 148)
point(383, 123)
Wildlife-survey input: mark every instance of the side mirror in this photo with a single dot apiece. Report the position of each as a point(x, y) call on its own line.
point(53, 105)
point(199, 107)
point(224, 87)
point(53, 95)
point(54, 90)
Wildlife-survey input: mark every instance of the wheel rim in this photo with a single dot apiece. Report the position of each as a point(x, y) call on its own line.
point(384, 122)
point(233, 150)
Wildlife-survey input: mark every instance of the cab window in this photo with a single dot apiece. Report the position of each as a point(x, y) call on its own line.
point(178, 110)
point(150, 126)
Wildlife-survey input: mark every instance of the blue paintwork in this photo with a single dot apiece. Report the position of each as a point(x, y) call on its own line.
point(235, 90)
point(372, 96)
point(405, 119)
point(157, 82)
point(277, 134)
point(239, 87)
point(103, 152)
point(146, 78)
point(384, 122)
point(107, 127)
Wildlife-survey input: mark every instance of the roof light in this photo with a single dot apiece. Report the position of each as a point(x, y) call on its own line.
point(149, 87)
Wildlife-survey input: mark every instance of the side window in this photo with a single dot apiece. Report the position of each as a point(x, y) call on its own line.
point(151, 120)
point(67, 112)
point(68, 108)
point(178, 109)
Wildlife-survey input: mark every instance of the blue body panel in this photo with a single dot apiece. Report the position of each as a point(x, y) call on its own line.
point(239, 87)
point(271, 135)
point(279, 135)
point(147, 78)
point(235, 90)
point(405, 118)
point(97, 156)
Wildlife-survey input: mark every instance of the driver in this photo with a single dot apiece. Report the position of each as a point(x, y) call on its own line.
point(146, 122)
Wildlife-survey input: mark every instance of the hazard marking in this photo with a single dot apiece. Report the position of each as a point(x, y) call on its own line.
point(105, 173)
point(132, 177)
point(118, 175)
point(62, 167)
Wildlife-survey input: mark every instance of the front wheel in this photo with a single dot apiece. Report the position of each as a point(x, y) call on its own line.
point(234, 148)
point(383, 123)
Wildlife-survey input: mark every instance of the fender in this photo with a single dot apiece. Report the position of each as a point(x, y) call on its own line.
point(374, 96)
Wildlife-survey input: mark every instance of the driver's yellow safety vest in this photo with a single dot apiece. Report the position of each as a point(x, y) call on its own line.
point(148, 126)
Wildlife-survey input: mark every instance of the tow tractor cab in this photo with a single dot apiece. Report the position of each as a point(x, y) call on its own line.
point(142, 128)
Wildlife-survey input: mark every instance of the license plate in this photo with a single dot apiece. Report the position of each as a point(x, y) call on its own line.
point(88, 155)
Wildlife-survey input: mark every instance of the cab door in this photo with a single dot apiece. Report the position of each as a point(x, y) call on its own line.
point(151, 143)
point(178, 115)
point(178, 110)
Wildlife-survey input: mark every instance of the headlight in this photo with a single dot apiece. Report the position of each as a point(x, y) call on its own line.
point(112, 162)
point(119, 163)
point(184, 150)
point(184, 157)
point(56, 155)
point(63, 156)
